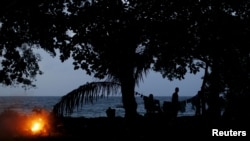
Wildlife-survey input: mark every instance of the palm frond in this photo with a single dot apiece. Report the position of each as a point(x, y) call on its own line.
point(85, 94)
point(139, 75)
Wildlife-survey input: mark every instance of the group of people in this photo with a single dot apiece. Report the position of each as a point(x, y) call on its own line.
point(172, 108)
point(152, 105)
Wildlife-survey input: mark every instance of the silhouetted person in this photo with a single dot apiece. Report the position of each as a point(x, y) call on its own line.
point(175, 102)
point(151, 105)
point(110, 112)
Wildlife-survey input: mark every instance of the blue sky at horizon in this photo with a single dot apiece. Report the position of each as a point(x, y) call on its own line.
point(60, 78)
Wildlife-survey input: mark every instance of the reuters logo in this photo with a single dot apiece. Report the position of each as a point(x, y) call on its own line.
point(217, 132)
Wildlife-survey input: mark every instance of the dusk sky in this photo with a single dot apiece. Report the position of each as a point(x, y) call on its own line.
point(60, 78)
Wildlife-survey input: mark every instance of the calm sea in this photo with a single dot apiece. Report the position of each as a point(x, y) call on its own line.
point(25, 104)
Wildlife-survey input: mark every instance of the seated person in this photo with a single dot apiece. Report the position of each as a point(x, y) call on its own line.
point(151, 105)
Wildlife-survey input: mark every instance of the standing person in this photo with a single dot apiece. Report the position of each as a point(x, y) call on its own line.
point(175, 102)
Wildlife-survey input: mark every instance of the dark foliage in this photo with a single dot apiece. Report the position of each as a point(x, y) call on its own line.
point(123, 40)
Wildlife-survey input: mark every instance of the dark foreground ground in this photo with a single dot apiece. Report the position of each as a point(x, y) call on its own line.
point(143, 128)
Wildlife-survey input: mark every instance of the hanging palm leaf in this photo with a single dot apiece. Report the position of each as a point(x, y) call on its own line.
point(84, 94)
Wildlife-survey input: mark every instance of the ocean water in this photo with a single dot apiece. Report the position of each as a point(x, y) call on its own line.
point(25, 104)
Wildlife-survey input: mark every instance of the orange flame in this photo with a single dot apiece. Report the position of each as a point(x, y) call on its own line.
point(37, 125)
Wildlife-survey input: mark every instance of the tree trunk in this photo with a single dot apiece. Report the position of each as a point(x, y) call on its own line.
point(214, 90)
point(128, 97)
point(203, 90)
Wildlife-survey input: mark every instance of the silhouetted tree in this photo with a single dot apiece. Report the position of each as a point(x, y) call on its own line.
point(19, 62)
point(216, 33)
point(121, 40)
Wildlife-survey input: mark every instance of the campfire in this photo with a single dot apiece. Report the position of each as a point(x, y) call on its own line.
point(36, 123)
point(37, 126)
